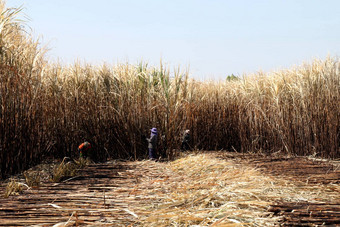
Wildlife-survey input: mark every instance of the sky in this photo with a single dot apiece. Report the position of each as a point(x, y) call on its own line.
point(211, 38)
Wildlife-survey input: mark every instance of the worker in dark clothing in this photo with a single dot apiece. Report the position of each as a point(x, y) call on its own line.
point(186, 139)
point(152, 144)
point(84, 149)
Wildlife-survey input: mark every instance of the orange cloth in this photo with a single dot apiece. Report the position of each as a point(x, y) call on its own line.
point(84, 146)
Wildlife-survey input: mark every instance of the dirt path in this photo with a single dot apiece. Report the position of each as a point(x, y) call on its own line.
point(188, 191)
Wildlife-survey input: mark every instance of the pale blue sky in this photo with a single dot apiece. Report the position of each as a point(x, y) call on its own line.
point(214, 37)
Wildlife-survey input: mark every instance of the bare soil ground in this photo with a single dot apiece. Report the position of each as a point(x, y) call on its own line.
point(210, 189)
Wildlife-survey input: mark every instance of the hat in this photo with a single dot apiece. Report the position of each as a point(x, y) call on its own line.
point(187, 131)
point(154, 130)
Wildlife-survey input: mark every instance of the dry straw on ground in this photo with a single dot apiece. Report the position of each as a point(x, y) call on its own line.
point(67, 169)
point(204, 190)
point(55, 172)
point(14, 187)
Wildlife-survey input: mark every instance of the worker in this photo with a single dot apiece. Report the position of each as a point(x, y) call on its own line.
point(152, 146)
point(185, 141)
point(84, 149)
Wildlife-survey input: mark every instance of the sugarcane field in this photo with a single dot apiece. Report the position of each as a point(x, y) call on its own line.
point(140, 145)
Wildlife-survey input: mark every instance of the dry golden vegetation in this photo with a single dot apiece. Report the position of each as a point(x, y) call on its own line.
point(44, 173)
point(200, 189)
point(67, 169)
point(48, 109)
point(14, 187)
